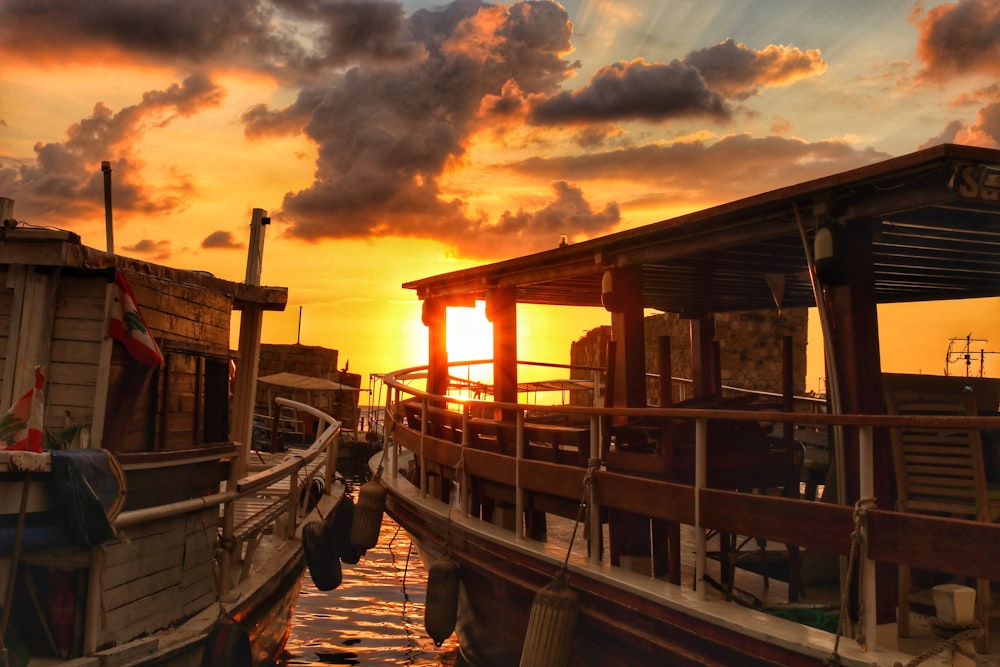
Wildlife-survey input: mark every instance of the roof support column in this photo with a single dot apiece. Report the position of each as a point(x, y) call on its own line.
point(435, 318)
point(501, 310)
point(705, 371)
point(854, 324)
point(622, 295)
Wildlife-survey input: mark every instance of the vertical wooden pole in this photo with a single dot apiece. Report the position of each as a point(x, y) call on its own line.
point(501, 310)
point(249, 346)
point(435, 318)
point(109, 227)
point(6, 209)
point(241, 429)
point(703, 370)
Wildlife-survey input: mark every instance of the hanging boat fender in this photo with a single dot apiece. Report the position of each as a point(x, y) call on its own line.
point(337, 532)
point(368, 514)
point(325, 571)
point(310, 495)
point(227, 644)
point(441, 601)
point(549, 638)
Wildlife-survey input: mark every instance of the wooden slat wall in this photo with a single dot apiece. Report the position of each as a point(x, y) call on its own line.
point(184, 313)
point(77, 333)
point(159, 574)
point(6, 301)
point(168, 414)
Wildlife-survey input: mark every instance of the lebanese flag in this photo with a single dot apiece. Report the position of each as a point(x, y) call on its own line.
point(128, 325)
point(21, 426)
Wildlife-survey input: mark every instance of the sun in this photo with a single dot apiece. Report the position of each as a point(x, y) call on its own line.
point(470, 334)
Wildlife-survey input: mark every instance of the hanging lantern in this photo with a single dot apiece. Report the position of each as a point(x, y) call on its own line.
point(441, 608)
point(549, 638)
point(368, 514)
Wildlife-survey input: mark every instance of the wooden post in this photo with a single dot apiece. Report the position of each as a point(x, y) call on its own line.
point(249, 347)
point(435, 318)
point(109, 227)
point(954, 603)
point(6, 209)
point(241, 429)
point(501, 310)
point(627, 327)
point(703, 371)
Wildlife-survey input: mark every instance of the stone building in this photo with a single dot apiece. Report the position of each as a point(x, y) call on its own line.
point(750, 345)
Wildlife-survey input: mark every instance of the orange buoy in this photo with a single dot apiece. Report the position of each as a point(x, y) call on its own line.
point(325, 571)
point(441, 602)
point(368, 514)
point(549, 638)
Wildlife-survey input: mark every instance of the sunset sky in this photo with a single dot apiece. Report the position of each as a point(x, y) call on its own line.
point(391, 141)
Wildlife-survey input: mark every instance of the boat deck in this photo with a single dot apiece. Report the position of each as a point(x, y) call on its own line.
point(821, 595)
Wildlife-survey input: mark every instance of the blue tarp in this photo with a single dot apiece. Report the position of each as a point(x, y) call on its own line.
point(88, 488)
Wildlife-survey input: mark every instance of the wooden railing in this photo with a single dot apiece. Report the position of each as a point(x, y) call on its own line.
point(442, 430)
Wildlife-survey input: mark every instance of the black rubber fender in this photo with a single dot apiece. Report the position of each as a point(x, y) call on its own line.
point(325, 570)
point(337, 531)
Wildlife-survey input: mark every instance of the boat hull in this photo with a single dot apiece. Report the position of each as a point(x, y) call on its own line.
point(625, 619)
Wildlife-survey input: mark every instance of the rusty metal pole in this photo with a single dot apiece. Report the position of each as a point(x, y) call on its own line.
point(108, 226)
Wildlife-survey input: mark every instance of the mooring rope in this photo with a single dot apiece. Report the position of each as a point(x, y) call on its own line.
point(857, 540)
point(585, 502)
point(949, 635)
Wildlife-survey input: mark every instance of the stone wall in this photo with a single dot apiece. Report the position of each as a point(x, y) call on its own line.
point(312, 361)
point(750, 347)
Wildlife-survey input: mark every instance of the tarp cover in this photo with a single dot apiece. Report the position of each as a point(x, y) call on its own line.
point(293, 381)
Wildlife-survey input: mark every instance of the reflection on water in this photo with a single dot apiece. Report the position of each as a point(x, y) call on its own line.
point(375, 617)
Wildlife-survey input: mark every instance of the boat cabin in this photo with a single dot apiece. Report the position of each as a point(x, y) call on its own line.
point(923, 227)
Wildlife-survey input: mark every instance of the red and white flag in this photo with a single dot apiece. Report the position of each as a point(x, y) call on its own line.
point(128, 326)
point(21, 426)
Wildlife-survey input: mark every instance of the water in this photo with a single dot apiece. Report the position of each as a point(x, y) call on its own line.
point(375, 617)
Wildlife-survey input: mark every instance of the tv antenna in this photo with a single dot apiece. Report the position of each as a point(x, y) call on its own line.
point(966, 353)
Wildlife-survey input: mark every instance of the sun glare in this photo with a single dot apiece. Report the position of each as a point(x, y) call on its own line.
point(470, 334)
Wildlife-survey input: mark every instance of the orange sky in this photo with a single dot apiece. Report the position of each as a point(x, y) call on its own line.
point(391, 141)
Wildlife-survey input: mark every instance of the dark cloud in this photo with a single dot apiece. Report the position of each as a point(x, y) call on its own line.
point(568, 214)
point(989, 121)
point(633, 91)
point(261, 121)
point(386, 134)
point(155, 250)
point(284, 38)
point(947, 136)
point(65, 179)
point(960, 38)
point(221, 239)
point(738, 72)
point(736, 166)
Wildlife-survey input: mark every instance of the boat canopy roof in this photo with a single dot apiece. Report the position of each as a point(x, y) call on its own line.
point(305, 382)
point(935, 235)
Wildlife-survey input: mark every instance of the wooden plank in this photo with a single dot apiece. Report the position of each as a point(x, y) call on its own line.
point(488, 465)
point(103, 375)
point(141, 617)
point(779, 519)
point(934, 543)
point(154, 582)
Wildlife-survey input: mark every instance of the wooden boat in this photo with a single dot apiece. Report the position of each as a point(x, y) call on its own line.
point(672, 488)
point(144, 531)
